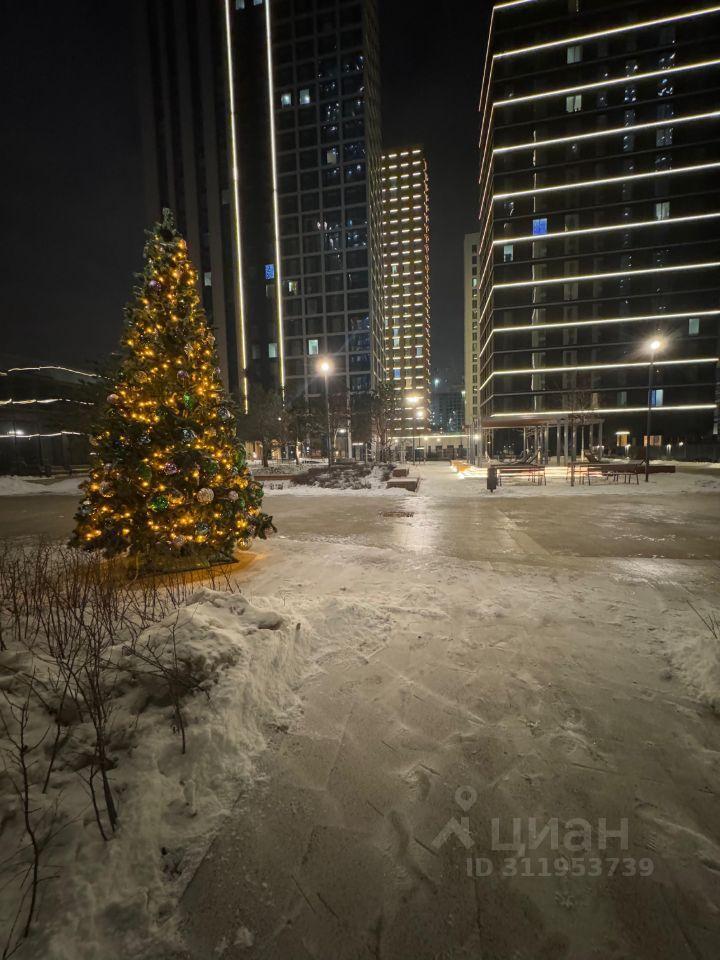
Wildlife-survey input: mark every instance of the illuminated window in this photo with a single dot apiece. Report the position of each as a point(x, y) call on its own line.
point(662, 210)
point(269, 271)
point(573, 104)
point(207, 279)
point(304, 96)
point(574, 53)
point(397, 373)
point(507, 253)
point(272, 351)
point(622, 398)
point(694, 326)
point(656, 397)
point(539, 226)
point(286, 99)
point(313, 348)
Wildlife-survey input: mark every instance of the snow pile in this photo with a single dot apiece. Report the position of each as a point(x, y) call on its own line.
point(339, 479)
point(694, 651)
point(233, 667)
point(31, 486)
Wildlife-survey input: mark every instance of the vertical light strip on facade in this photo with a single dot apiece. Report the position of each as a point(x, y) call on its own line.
point(235, 173)
point(276, 207)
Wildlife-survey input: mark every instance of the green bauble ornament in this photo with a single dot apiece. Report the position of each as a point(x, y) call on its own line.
point(159, 503)
point(188, 401)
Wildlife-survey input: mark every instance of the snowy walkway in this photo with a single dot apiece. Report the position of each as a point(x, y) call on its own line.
point(489, 658)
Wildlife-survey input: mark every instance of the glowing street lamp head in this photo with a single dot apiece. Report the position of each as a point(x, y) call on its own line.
point(325, 366)
point(655, 344)
point(413, 400)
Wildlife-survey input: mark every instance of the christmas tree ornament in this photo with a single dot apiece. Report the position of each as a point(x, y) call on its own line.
point(183, 375)
point(188, 435)
point(106, 489)
point(233, 495)
point(179, 542)
point(188, 401)
point(224, 413)
point(159, 503)
point(170, 468)
point(210, 467)
point(113, 398)
point(205, 495)
point(144, 438)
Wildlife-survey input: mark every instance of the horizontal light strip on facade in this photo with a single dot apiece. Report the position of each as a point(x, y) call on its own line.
point(611, 31)
point(606, 180)
point(605, 276)
point(565, 413)
point(588, 323)
point(610, 131)
point(38, 369)
point(596, 366)
point(635, 224)
point(599, 84)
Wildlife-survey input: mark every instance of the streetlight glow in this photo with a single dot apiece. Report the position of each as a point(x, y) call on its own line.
point(655, 345)
point(325, 366)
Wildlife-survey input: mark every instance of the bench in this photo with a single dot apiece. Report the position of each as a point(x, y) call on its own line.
point(533, 472)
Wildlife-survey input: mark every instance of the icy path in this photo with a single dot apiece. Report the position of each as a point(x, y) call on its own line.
point(489, 661)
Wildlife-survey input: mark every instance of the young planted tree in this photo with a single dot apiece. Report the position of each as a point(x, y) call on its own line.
point(168, 476)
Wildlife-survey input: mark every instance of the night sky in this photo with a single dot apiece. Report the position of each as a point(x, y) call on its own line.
point(71, 204)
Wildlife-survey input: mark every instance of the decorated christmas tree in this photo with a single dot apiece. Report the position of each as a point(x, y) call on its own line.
point(168, 477)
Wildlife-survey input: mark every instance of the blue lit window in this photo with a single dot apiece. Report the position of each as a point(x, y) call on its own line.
point(269, 271)
point(539, 226)
point(397, 373)
point(656, 398)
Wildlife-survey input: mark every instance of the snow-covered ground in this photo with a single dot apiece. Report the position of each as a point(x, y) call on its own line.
point(458, 654)
point(32, 486)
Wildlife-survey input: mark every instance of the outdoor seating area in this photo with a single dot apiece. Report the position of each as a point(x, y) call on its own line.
point(532, 472)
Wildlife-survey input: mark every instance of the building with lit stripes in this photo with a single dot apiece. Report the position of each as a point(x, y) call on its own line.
point(600, 216)
point(261, 127)
point(406, 285)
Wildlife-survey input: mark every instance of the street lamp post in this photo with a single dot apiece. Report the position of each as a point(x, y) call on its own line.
point(655, 345)
point(326, 367)
point(413, 403)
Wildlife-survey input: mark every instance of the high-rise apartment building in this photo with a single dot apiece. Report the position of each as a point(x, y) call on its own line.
point(600, 207)
point(471, 247)
point(262, 129)
point(406, 285)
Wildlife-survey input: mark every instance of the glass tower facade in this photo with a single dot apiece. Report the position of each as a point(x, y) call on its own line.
point(262, 129)
point(600, 207)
